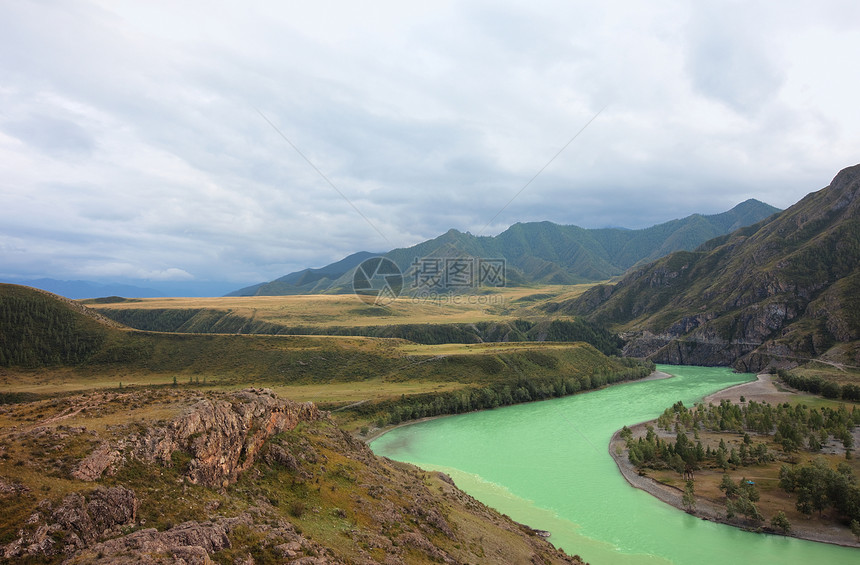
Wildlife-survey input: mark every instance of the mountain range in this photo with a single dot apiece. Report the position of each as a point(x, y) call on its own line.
point(780, 292)
point(535, 252)
point(134, 288)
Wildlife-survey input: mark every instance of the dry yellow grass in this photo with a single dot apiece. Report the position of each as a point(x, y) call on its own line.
point(477, 348)
point(370, 389)
point(348, 310)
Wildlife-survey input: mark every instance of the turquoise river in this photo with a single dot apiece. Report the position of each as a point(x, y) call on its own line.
point(547, 464)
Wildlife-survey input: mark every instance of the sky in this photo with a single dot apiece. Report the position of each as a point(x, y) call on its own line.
point(204, 142)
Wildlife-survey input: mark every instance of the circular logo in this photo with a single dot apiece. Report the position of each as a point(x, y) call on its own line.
point(377, 281)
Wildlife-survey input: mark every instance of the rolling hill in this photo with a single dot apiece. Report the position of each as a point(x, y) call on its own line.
point(167, 467)
point(536, 253)
point(45, 337)
point(778, 293)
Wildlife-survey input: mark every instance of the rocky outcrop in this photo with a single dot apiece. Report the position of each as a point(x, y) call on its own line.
point(103, 458)
point(318, 474)
point(195, 542)
point(189, 543)
point(78, 522)
point(10, 489)
point(224, 436)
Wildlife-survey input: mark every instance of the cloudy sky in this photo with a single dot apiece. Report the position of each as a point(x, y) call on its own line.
point(153, 141)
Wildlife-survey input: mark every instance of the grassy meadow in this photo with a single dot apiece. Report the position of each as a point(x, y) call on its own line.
point(325, 310)
point(59, 348)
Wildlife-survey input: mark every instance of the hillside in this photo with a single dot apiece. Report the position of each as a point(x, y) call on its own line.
point(779, 293)
point(171, 476)
point(392, 379)
point(151, 466)
point(38, 328)
point(513, 330)
point(537, 252)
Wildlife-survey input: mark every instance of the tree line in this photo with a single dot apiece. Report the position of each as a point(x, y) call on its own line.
point(793, 427)
point(506, 392)
point(816, 484)
point(684, 456)
point(817, 385)
point(819, 487)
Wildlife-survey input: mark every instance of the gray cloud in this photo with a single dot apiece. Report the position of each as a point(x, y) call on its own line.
point(728, 57)
point(52, 136)
point(131, 145)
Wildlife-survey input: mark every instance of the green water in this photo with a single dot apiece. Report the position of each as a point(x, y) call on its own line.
point(547, 464)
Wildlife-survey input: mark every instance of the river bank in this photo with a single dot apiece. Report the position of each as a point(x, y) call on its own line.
point(761, 390)
point(374, 433)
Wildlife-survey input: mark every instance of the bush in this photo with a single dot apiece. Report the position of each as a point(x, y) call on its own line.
point(297, 508)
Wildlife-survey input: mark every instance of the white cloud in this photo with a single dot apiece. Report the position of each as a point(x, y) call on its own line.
point(131, 145)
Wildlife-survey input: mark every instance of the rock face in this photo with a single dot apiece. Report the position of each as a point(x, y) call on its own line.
point(778, 293)
point(224, 437)
point(375, 510)
point(103, 458)
point(189, 542)
point(78, 522)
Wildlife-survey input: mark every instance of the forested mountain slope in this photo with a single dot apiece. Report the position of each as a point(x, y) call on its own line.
point(780, 292)
point(537, 252)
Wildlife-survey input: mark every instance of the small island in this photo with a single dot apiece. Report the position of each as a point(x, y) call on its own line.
point(755, 456)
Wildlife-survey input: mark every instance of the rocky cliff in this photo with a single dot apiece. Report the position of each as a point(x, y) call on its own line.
point(172, 476)
point(777, 293)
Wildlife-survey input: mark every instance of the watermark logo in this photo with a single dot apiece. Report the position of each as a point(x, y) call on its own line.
point(377, 281)
point(457, 273)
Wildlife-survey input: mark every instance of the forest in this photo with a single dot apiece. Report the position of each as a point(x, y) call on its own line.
point(816, 484)
point(37, 330)
point(815, 384)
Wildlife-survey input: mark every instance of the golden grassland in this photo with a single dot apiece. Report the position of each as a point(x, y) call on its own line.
point(332, 371)
point(348, 310)
point(841, 374)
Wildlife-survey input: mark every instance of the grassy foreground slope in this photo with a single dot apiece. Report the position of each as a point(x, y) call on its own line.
point(183, 476)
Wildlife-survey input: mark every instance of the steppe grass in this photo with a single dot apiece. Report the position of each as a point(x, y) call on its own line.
point(347, 310)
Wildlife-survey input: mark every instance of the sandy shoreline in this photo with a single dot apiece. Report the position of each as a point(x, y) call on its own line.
point(760, 390)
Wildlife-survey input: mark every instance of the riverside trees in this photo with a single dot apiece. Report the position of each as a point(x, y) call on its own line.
point(788, 431)
point(819, 487)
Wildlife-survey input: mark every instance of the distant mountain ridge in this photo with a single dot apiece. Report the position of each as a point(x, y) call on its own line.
point(88, 289)
point(777, 293)
point(306, 281)
point(84, 289)
point(537, 252)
